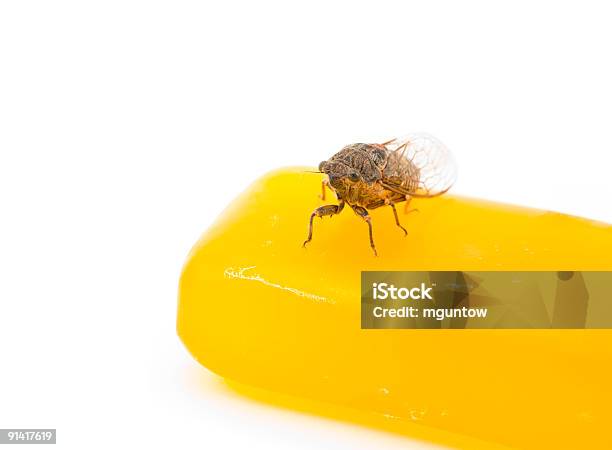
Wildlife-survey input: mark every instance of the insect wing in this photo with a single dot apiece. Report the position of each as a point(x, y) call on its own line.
point(436, 167)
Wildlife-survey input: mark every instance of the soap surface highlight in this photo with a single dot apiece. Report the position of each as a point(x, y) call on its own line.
point(257, 308)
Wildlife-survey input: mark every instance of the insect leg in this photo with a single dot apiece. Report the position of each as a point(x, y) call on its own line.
point(363, 213)
point(323, 184)
point(326, 210)
point(392, 205)
point(406, 210)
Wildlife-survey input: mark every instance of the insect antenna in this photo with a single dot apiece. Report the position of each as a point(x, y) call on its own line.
point(403, 148)
point(388, 142)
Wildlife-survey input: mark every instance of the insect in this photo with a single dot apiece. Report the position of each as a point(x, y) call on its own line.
point(368, 176)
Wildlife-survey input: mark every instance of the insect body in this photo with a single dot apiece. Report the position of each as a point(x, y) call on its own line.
point(368, 176)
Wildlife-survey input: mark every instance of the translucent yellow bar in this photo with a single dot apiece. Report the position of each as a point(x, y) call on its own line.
point(257, 308)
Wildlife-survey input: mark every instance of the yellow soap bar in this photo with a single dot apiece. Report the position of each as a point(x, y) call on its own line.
point(257, 308)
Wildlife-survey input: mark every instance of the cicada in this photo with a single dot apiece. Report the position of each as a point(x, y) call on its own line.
point(368, 176)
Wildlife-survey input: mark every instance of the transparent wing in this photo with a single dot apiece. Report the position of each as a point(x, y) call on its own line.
point(431, 167)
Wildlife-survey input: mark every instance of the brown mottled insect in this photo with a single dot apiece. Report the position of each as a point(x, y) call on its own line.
point(367, 176)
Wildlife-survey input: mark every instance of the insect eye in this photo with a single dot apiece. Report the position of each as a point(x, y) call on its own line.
point(322, 166)
point(353, 176)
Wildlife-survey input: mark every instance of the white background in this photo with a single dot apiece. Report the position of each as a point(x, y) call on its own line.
point(126, 126)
